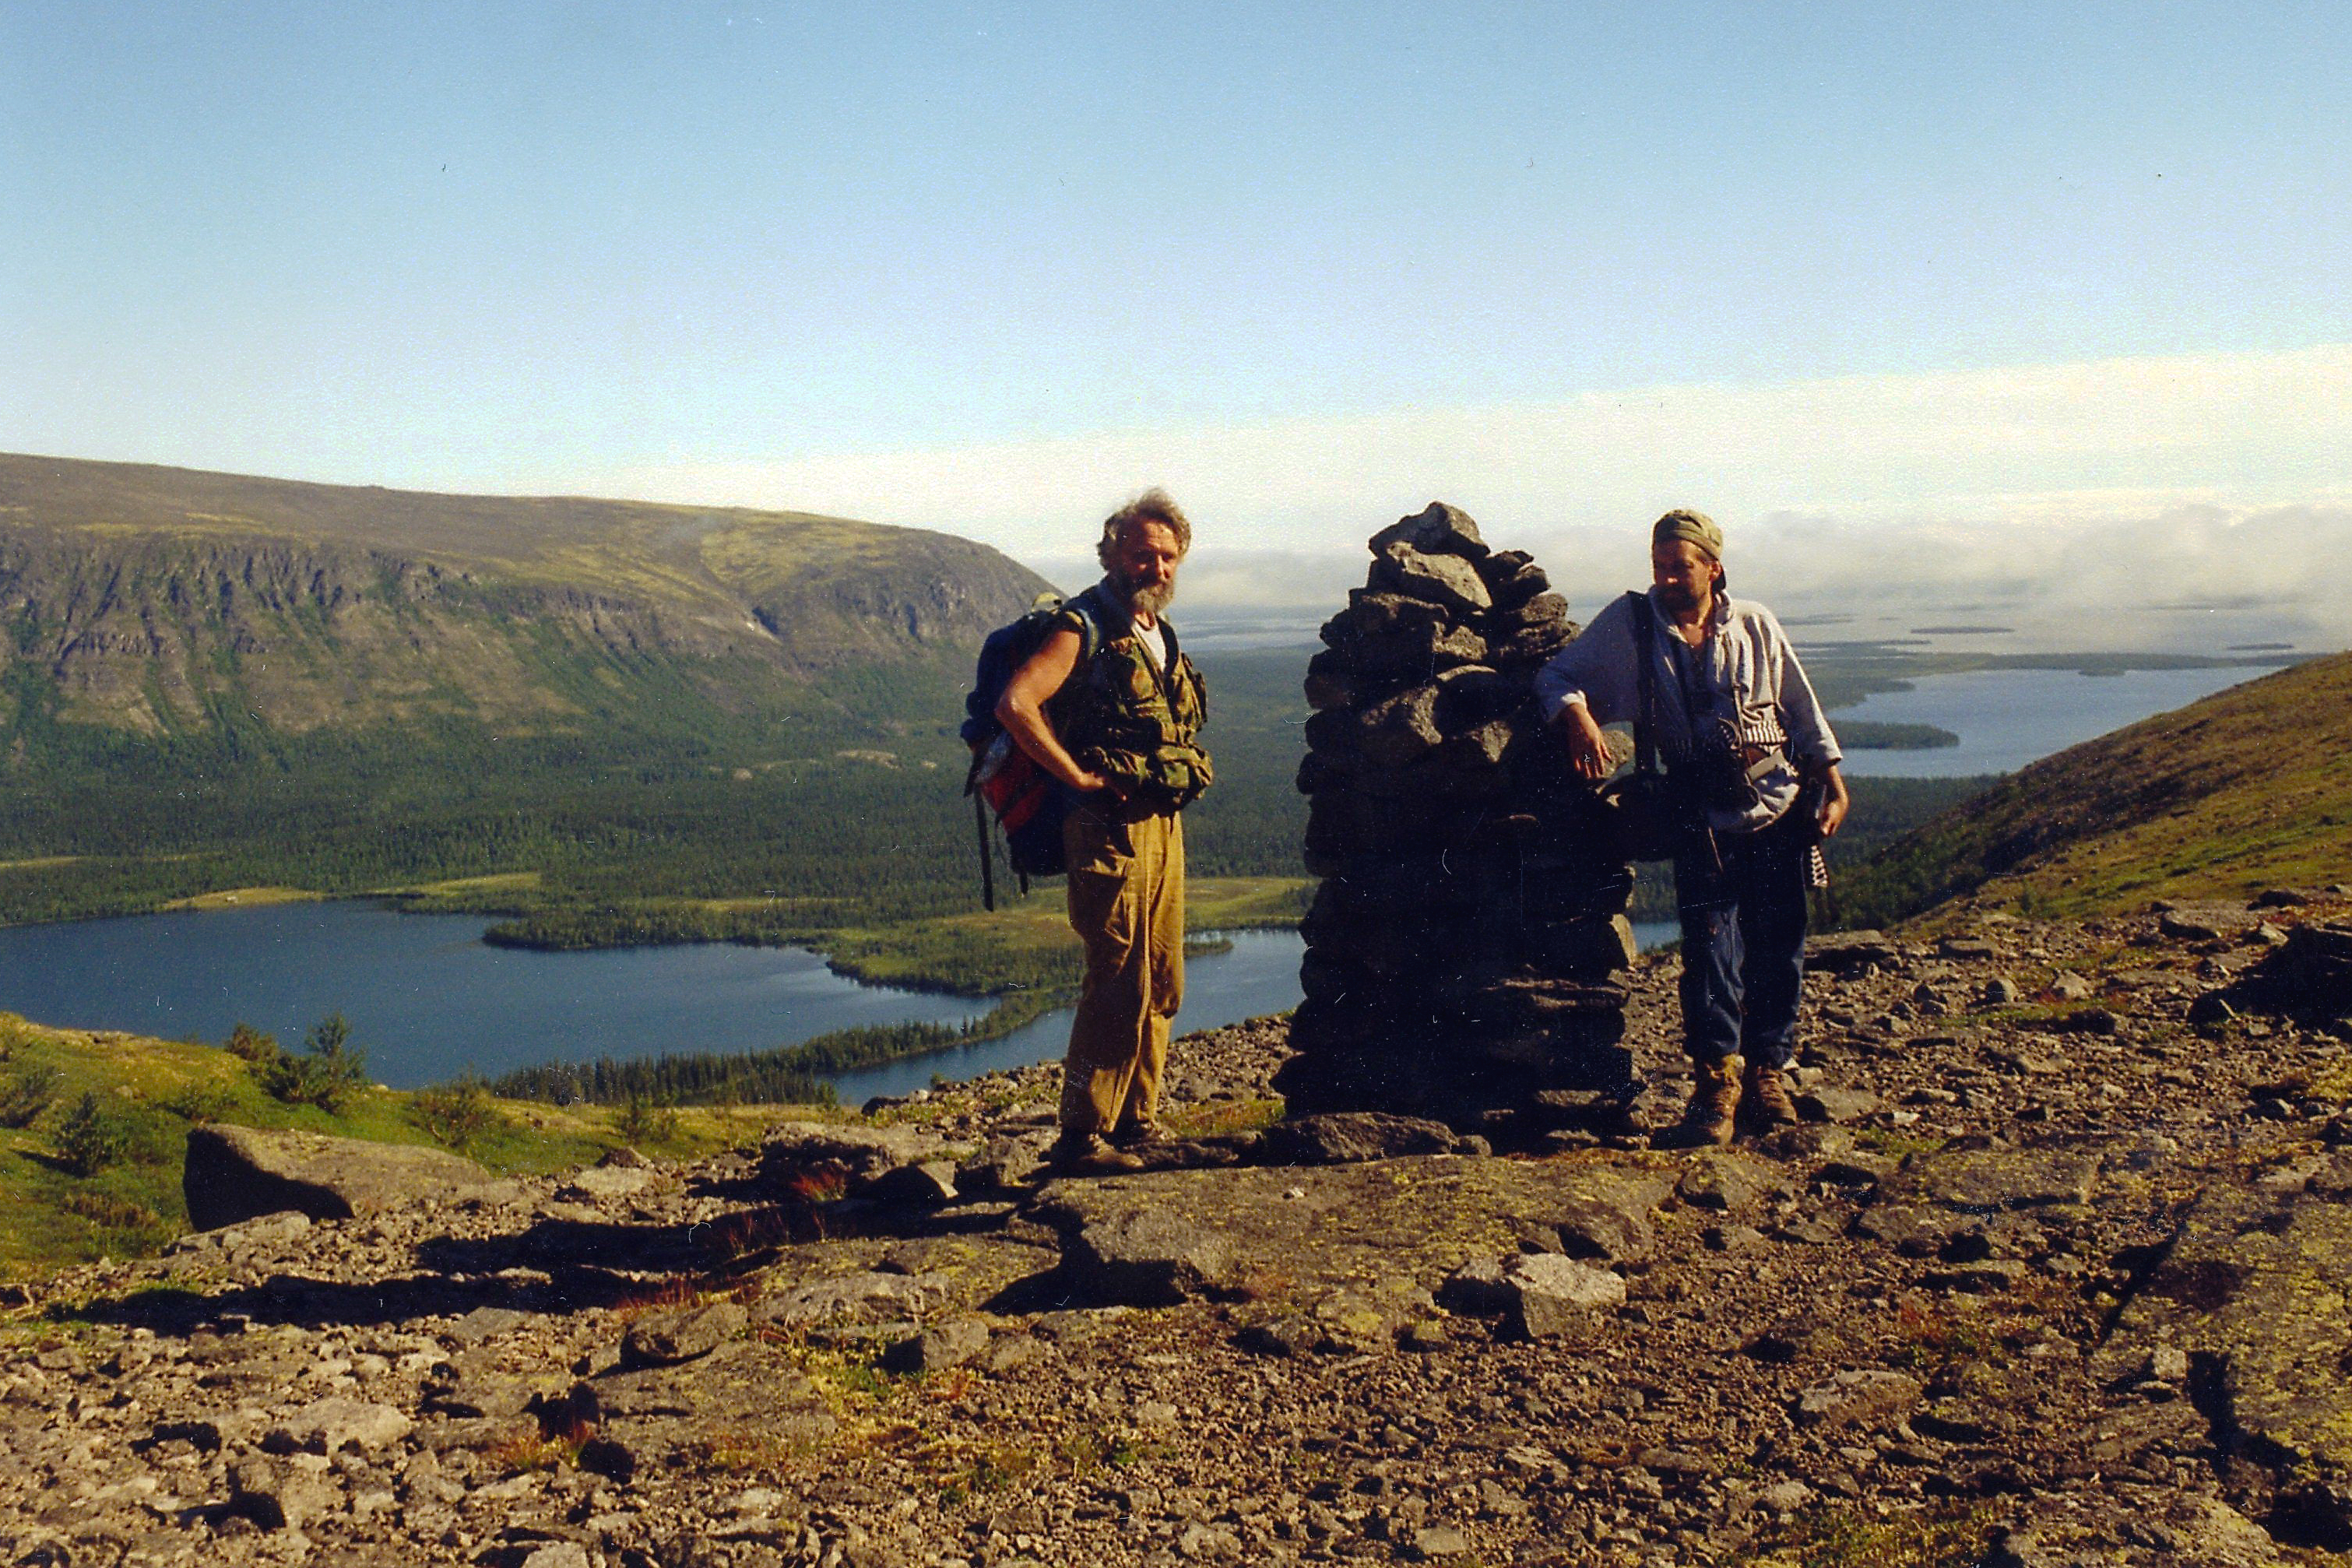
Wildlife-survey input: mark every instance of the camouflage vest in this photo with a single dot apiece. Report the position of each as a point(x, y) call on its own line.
point(1123, 717)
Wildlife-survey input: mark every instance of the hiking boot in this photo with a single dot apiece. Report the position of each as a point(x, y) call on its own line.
point(1764, 1103)
point(1714, 1103)
point(1084, 1154)
point(1142, 1135)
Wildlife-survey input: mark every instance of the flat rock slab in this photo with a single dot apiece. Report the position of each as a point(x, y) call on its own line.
point(1936, 1195)
point(1866, 1399)
point(1366, 1242)
point(743, 1397)
point(665, 1339)
point(238, 1173)
point(1343, 1137)
point(2260, 1291)
point(335, 1422)
point(1996, 1179)
point(866, 1297)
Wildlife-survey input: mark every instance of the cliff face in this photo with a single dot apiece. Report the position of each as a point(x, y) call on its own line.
point(154, 600)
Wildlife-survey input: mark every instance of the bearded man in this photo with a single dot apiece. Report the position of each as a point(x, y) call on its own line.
point(1743, 738)
point(1111, 707)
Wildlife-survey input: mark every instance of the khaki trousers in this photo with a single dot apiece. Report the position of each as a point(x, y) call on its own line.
point(1127, 904)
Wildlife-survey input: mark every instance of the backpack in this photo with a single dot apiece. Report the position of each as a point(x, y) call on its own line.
point(1027, 802)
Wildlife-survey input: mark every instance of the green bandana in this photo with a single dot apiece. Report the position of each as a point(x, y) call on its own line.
point(1692, 528)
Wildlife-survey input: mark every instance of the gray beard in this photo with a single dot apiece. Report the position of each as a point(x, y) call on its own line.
point(1150, 601)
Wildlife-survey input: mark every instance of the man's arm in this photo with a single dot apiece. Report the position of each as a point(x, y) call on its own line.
point(1811, 740)
point(1021, 710)
point(1597, 668)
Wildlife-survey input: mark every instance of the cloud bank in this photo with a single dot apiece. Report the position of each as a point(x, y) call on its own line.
point(2074, 496)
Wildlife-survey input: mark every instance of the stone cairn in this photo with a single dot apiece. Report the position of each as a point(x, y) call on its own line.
point(1461, 948)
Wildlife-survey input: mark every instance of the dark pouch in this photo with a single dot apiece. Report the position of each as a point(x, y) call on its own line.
point(1647, 814)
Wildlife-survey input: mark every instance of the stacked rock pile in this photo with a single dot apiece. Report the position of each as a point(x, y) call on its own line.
point(1461, 949)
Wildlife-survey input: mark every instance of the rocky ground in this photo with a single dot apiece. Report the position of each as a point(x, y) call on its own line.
point(2057, 1276)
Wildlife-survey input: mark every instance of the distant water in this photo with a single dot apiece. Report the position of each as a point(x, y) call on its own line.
point(2008, 718)
point(429, 1001)
point(426, 998)
point(1259, 976)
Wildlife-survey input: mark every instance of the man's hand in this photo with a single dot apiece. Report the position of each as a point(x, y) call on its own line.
point(1830, 815)
point(1588, 749)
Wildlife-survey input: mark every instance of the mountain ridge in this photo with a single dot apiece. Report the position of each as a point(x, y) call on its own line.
point(154, 596)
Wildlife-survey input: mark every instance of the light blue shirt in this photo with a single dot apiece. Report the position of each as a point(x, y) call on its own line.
point(1746, 662)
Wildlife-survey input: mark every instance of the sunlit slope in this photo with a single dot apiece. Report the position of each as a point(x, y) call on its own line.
point(163, 601)
point(2249, 788)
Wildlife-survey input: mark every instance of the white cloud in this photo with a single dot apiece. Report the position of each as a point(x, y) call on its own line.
point(2252, 429)
point(2066, 494)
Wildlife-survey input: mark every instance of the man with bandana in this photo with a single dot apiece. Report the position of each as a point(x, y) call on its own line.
point(1741, 731)
point(1112, 709)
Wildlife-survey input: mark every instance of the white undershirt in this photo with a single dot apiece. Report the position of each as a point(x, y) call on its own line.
point(1154, 639)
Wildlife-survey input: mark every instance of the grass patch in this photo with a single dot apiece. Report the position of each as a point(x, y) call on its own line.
point(1213, 1117)
point(1842, 1538)
point(245, 899)
point(148, 1092)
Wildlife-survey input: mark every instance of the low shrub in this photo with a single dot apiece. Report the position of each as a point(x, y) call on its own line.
point(643, 1119)
point(326, 1075)
point(455, 1115)
point(25, 1092)
point(88, 1140)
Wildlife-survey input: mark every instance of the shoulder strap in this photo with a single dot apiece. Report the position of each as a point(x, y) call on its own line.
point(1170, 653)
point(1085, 605)
point(1645, 660)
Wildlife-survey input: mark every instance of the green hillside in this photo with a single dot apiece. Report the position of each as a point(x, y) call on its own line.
point(93, 1135)
point(618, 720)
point(2246, 790)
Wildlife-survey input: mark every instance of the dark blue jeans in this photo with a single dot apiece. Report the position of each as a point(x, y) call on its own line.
point(1743, 914)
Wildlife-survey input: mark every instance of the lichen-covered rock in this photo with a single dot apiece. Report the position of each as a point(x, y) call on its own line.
point(665, 1339)
point(1867, 1398)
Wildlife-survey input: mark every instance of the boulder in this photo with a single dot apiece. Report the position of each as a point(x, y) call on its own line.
point(1437, 529)
point(665, 1339)
point(1342, 1137)
point(1446, 579)
point(1548, 1294)
point(1147, 1258)
point(793, 1150)
point(951, 1344)
point(282, 1493)
point(1868, 1399)
point(1846, 953)
point(236, 1174)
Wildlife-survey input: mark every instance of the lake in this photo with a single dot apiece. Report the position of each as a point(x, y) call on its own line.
point(2008, 718)
point(425, 996)
point(429, 1001)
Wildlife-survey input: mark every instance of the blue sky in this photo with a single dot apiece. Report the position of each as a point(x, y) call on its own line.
point(985, 267)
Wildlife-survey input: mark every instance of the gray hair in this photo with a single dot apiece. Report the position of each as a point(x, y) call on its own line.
point(1152, 506)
